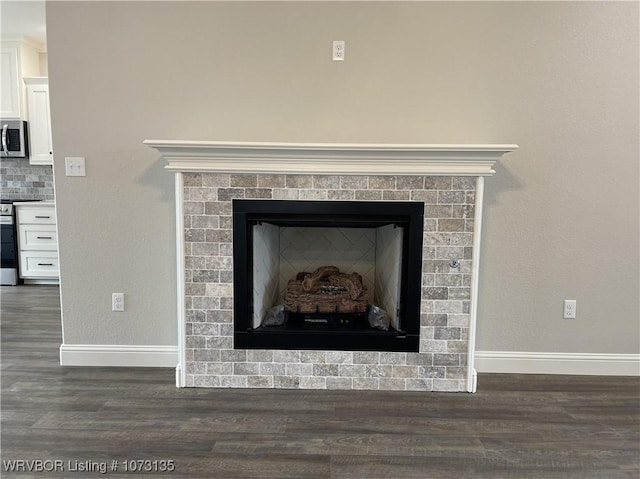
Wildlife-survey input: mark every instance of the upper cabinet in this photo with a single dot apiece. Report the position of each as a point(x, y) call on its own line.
point(19, 59)
point(41, 152)
point(10, 98)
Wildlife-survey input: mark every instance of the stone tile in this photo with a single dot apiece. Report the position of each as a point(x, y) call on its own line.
point(392, 384)
point(430, 197)
point(234, 355)
point(193, 207)
point(261, 193)
point(339, 383)
point(219, 236)
point(446, 359)
point(313, 195)
point(326, 182)
point(449, 224)
point(368, 195)
point(244, 369)
point(260, 381)
point(431, 371)
point(352, 370)
point(438, 211)
point(433, 320)
point(205, 276)
point(271, 181)
point(460, 347)
point(219, 369)
point(341, 195)
point(311, 382)
point(419, 384)
point(220, 289)
point(286, 382)
point(299, 369)
point(282, 356)
point(456, 373)
point(464, 182)
point(326, 370)
point(205, 329)
point(405, 371)
point(203, 194)
point(220, 343)
point(207, 222)
point(218, 207)
point(354, 182)
point(410, 182)
point(206, 355)
point(366, 383)
point(216, 180)
point(460, 293)
point(192, 179)
point(206, 381)
point(435, 293)
point(314, 357)
point(260, 355)
point(366, 357)
point(233, 381)
point(196, 342)
point(340, 357)
point(244, 180)
point(272, 369)
point(219, 316)
point(382, 182)
point(437, 183)
point(299, 181)
point(433, 346)
point(421, 359)
point(195, 235)
point(448, 280)
point(437, 239)
point(205, 249)
point(393, 358)
point(451, 197)
point(447, 333)
point(395, 195)
point(228, 194)
point(195, 289)
point(286, 194)
point(378, 370)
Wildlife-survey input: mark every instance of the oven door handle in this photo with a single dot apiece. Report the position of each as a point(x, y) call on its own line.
point(5, 148)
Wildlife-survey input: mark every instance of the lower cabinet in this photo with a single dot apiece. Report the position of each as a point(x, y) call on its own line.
point(37, 242)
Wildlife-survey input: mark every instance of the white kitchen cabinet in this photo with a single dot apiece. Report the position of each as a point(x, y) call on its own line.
point(37, 242)
point(39, 121)
point(18, 59)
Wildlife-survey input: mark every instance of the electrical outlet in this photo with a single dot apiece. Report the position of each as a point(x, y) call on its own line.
point(338, 50)
point(569, 309)
point(117, 302)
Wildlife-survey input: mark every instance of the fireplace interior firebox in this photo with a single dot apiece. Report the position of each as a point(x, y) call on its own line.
point(327, 275)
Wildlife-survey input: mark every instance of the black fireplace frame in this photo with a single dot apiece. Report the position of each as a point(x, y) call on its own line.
point(366, 214)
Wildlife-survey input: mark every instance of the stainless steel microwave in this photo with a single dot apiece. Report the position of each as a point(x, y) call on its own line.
point(15, 139)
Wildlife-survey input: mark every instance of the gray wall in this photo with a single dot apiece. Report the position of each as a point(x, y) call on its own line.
point(559, 79)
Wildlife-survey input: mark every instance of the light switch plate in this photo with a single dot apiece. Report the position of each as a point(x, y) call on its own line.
point(74, 166)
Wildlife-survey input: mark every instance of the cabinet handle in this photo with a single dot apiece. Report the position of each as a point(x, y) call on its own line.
point(43, 217)
point(45, 264)
point(44, 237)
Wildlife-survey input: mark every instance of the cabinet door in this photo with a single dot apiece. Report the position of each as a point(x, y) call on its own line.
point(39, 124)
point(9, 84)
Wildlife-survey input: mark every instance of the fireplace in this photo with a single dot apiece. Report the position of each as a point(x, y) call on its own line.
point(275, 240)
point(213, 179)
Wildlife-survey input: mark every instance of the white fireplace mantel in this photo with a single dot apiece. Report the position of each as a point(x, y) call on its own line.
point(330, 158)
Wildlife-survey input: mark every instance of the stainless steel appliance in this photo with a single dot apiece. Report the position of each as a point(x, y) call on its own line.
point(15, 139)
point(9, 245)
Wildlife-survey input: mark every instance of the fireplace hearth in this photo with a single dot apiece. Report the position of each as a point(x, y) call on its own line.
point(269, 236)
point(214, 273)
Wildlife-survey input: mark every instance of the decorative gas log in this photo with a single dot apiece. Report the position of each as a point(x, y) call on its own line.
point(326, 290)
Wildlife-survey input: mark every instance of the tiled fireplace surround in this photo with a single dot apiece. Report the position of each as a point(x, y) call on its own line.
point(448, 179)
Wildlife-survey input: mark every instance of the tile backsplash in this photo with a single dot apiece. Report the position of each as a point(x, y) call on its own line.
point(21, 181)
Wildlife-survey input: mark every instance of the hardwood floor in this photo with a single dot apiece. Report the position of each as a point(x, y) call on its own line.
point(516, 426)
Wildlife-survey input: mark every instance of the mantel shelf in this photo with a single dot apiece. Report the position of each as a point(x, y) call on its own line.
point(330, 158)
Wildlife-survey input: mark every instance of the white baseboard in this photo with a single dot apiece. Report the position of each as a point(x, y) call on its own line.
point(557, 363)
point(118, 355)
